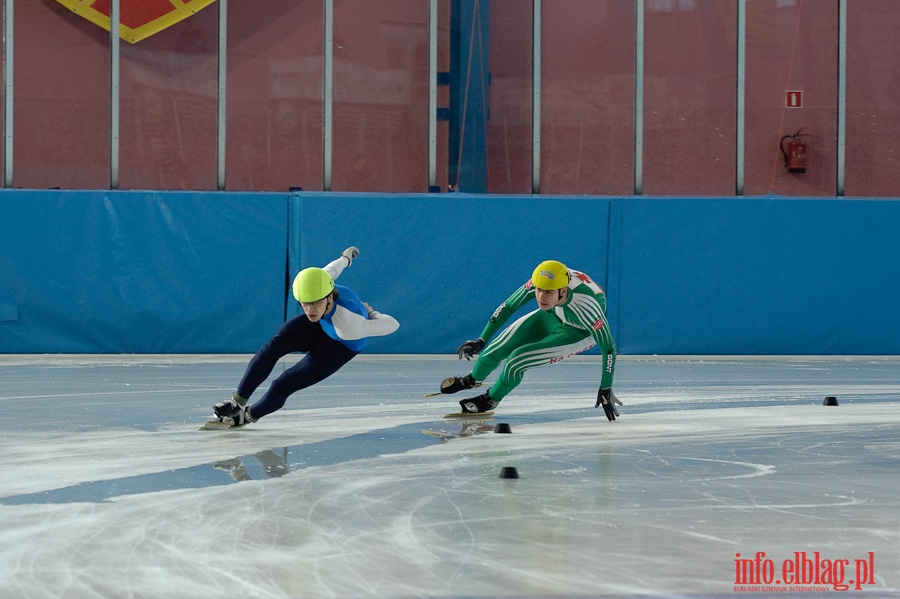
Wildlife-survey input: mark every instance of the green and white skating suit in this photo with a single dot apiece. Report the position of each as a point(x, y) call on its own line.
point(546, 336)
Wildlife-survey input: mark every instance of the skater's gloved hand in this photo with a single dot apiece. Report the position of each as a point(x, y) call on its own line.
point(470, 348)
point(350, 254)
point(369, 308)
point(608, 399)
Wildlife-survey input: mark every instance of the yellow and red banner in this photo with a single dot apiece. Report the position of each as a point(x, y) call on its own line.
point(138, 19)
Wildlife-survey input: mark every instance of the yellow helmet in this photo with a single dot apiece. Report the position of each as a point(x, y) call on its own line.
point(311, 285)
point(550, 274)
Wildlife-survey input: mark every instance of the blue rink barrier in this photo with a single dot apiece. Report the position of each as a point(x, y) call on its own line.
point(140, 272)
point(195, 272)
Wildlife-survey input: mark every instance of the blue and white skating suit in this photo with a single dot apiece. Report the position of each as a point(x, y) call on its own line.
point(349, 321)
point(329, 343)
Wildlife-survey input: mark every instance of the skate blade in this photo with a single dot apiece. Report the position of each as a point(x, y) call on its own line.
point(443, 436)
point(470, 415)
point(442, 393)
point(217, 425)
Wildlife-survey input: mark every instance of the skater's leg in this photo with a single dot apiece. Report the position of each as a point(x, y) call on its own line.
point(296, 335)
point(529, 328)
point(320, 363)
point(564, 342)
point(534, 325)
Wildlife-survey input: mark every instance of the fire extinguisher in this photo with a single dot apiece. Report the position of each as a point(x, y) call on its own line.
point(795, 154)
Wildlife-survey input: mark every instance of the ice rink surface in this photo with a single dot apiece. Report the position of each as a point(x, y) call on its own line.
point(359, 487)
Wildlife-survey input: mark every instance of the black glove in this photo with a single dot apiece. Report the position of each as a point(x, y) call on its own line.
point(470, 348)
point(608, 399)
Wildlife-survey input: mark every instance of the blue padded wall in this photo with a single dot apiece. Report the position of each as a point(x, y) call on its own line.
point(148, 272)
point(441, 264)
point(757, 276)
point(140, 272)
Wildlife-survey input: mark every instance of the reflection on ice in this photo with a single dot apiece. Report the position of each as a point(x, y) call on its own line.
point(268, 463)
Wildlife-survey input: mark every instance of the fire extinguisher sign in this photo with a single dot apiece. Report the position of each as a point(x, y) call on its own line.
point(793, 98)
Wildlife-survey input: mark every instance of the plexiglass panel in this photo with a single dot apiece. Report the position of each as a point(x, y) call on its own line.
point(442, 149)
point(509, 99)
point(2, 93)
point(60, 99)
point(689, 97)
point(873, 98)
point(587, 97)
point(274, 100)
point(380, 126)
point(168, 107)
point(791, 47)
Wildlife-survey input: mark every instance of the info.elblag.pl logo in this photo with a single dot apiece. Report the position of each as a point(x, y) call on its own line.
point(802, 572)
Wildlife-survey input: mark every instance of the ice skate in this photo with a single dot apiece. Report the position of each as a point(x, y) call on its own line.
point(225, 409)
point(454, 384)
point(230, 414)
point(477, 405)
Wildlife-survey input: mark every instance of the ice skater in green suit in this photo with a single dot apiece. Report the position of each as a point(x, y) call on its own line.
point(570, 319)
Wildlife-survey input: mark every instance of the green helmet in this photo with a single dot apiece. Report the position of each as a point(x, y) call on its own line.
point(311, 285)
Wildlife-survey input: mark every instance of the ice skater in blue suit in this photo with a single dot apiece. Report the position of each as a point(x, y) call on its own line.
point(333, 328)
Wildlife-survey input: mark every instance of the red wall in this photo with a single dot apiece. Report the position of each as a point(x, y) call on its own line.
point(168, 135)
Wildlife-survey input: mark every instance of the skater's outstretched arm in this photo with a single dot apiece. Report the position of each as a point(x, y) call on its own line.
point(336, 267)
point(350, 325)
